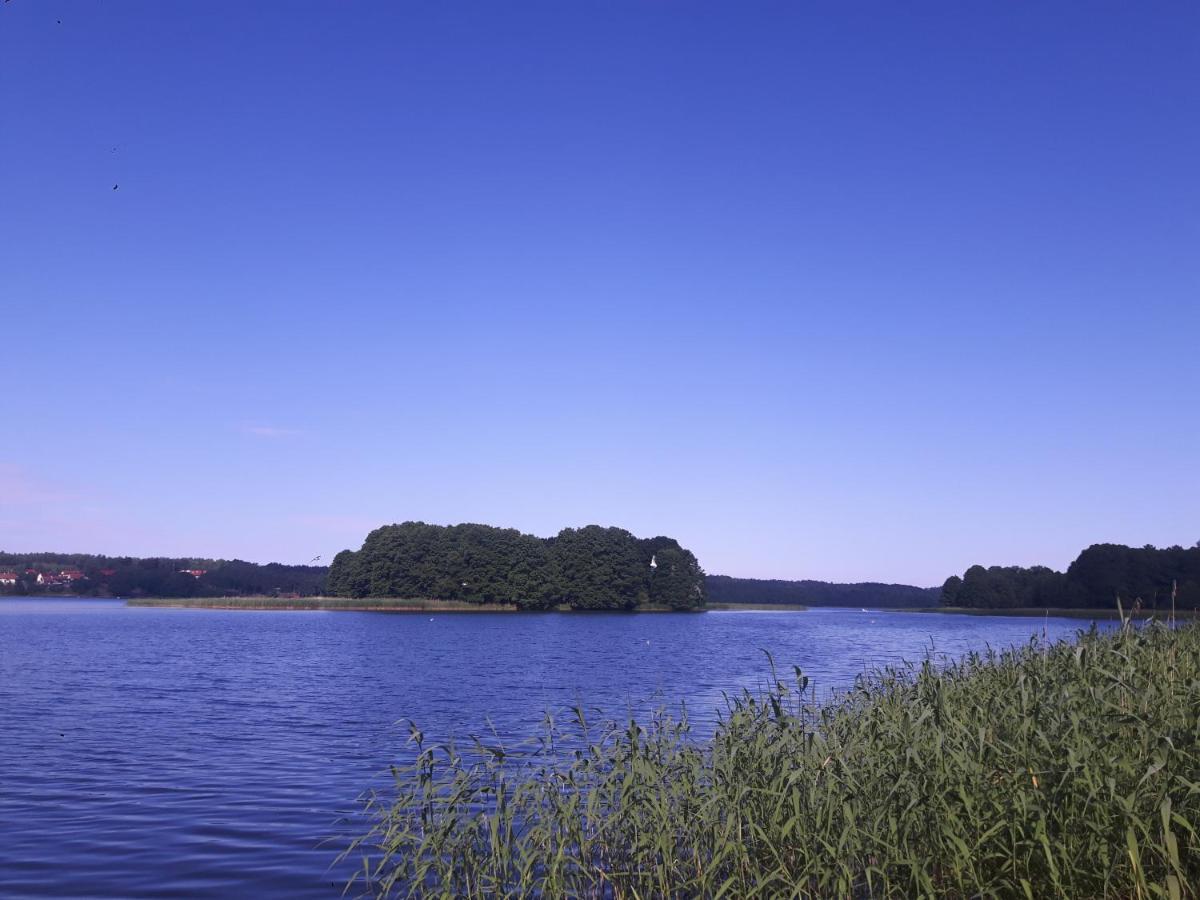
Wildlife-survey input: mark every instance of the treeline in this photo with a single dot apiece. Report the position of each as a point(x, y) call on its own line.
point(724, 589)
point(583, 568)
point(127, 576)
point(1096, 579)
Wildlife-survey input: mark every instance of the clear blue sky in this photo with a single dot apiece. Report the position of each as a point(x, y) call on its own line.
point(833, 290)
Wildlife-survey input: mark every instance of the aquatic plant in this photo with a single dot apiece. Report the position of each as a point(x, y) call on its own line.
point(1066, 770)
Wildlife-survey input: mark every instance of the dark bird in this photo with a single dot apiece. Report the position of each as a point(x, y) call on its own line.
point(313, 560)
point(115, 186)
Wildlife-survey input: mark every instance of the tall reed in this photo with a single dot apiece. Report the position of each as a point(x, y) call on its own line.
point(1070, 770)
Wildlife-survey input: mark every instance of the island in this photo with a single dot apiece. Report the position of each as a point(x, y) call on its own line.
point(590, 568)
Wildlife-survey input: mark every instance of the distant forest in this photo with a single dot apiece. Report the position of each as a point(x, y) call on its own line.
point(724, 589)
point(1096, 579)
point(595, 568)
point(582, 568)
point(127, 576)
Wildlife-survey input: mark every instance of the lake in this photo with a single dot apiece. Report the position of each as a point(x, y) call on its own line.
point(208, 753)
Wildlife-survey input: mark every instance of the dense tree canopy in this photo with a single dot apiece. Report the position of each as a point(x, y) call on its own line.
point(723, 589)
point(1097, 578)
point(1004, 587)
point(129, 576)
point(584, 568)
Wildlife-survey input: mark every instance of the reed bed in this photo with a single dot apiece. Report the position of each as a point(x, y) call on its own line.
point(1070, 770)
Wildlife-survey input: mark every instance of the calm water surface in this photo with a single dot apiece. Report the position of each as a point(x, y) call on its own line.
point(204, 753)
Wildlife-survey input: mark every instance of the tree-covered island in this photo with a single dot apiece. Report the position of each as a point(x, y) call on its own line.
point(579, 568)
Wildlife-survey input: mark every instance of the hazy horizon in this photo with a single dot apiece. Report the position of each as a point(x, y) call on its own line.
point(844, 293)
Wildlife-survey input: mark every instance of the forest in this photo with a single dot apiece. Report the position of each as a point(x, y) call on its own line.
point(1096, 579)
point(724, 589)
point(580, 568)
point(86, 574)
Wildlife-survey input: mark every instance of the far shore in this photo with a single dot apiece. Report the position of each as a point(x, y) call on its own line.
point(347, 604)
point(352, 604)
point(419, 605)
point(1056, 612)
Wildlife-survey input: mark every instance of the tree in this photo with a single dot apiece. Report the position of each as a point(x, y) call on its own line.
point(950, 590)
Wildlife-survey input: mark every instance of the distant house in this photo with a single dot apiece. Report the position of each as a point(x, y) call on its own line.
point(8, 577)
point(38, 576)
point(108, 573)
point(71, 575)
point(195, 573)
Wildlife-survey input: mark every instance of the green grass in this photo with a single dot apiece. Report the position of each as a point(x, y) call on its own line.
point(1070, 771)
point(758, 607)
point(1055, 612)
point(331, 603)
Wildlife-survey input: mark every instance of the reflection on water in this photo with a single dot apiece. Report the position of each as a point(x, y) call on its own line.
point(146, 752)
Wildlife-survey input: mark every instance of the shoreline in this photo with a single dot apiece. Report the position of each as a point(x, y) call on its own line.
point(318, 604)
point(349, 604)
point(1056, 612)
point(414, 605)
point(757, 607)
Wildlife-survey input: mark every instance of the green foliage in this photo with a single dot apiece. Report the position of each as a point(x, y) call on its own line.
point(677, 581)
point(1008, 587)
point(724, 589)
point(584, 568)
point(1101, 574)
point(1049, 771)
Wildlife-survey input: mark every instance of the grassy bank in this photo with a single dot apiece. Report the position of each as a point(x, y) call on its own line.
point(330, 603)
point(757, 607)
point(1094, 615)
point(1063, 771)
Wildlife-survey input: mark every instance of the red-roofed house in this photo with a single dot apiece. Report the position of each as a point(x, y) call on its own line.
point(8, 577)
point(195, 573)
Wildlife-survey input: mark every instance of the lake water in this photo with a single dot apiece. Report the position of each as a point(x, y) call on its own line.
point(204, 753)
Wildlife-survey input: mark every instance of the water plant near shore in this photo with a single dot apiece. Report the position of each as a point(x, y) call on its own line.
point(1068, 770)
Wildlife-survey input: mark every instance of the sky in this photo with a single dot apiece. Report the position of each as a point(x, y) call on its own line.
point(846, 291)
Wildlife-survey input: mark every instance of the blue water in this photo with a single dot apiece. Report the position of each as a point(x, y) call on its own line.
point(203, 753)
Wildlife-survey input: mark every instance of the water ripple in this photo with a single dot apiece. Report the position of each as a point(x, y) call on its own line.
point(203, 753)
